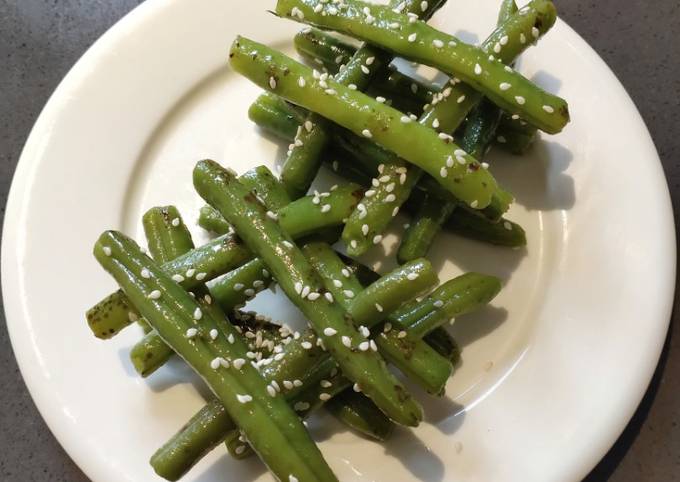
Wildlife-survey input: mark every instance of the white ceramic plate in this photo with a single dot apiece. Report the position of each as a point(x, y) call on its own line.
point(551, 372)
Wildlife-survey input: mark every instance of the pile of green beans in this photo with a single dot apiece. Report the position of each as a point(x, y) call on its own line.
point(407, 146)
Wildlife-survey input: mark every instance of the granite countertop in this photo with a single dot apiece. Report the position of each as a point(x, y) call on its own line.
point(41, 39)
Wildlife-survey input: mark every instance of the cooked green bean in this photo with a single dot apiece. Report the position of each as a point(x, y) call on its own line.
point(295, 276)
point(423, 228)
point(272, 428)
point(266, 187)
point(360, 413)
point(508, 8)
point(480, 127)
point(503, 233)
point(422, 43)
point(515, 135)
point(443, 342)
point(303, 160)
point(365, 116)
point(299, 218)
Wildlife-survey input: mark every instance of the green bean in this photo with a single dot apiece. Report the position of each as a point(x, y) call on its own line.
point(444, 344)
point(480, 128)
point(424, 227)
point(422, 43)
point(514, 135)
point(267, 187)
point(315, 44)
point(504, 233)
point(303, 161)
point(299, 218)
point(294, 275)
point(508, 8)
point(272, 428)
point(182, 451)
point(365, 116)
point(360, 413)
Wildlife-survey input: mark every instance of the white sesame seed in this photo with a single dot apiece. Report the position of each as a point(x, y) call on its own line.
point(485, 165)
point(438, 43)
point(249, 292)
point(405, 119)
point(402, 178)
point(412, 276)
point(370, 193)
point(380, 99)
point(452, 43)
point(178, 278)
point(348, 293)
point(213, 334)
point(491, 58)
point(244, 398)
point(271, 391)
point(299, 407)
point(190, 273)
point(535, 32)
point(387, 327)
point(356, 388)
point(145, 273)
point(318, 8)
point(515, 116)
point(352, 87)
point(345, 272)
point(215, 363)
point(305, 291)
point(438, 304)
point(325, 208)
point(191, 332)
point(297, 383)
point(474, 204)
point(313, 296)
point(272, 82)
point(201, 276)
point(287, 244)
point(443, 172)
point(549, 109)
point(377, 238)
point(461, 99)
point(231, 340)
point(390, 198)
point(364, 346)
point(107, 250)
point(346, 341)
point(505, 86)
point(365, 332)
point(520, 100)
point(478, 69)
point(365, 70)
point(238, 286)
point(370, 60)
point(522, 38)
point(353, 244)
point(366, 133)
point(412, 37)
point(287, 384)
point(504, 40)
point(154, 295)
point(329, 331)
point(364, 229)
point(401, 334)
point(306, 345)
point(324, 397)
point(507, 225)
point(272, 215)
point(238, 363)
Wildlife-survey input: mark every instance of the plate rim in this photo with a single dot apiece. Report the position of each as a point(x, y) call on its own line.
point(18, 195)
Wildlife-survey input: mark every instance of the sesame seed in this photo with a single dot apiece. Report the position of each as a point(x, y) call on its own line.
point(329, 331)
point(213, 334)
point(305, 291)
point(238, 363)
point(491, 58)
point(390, 198)
point(330, 91)
point(395, 211)
point(190, 272)
point(370, 60)
point(405, 119)
point(452, 43)
point(364, 229)
point(345, 272)
point(507, 225)
point(535, 32)
point(191, 332)
point(412, 276)
point(318, 8)
point(154, 295)
point(485, 165)
point(353, 244)
point(145, 273)
point(438, 43)
point(366, 133)
point(297, 383)
point(201, 276)
point(356, 388)
point(346, 341)
point(107, 250)
point(412, 37)
point(370, 193)
point(313, 296)
point(258, 283)
point(244, 398)
point(414, 88)
point(497, 48)
point(325, 208)
point(501, 139)
point(520, 100)
point(504, 40)
point(365, 70)
point(443, 172)
point(380, 99)
point(271, 391)
point(377, 238)
point(306, 345)
point(515, 116)
point(215, 363)
point(505, 86)
point(178, 278)
point(438, 304)
point(288, 244)
point(401, 334)
point(287, 384)
point(272, 215)
point(364, 346)
point(461, 99)
point(474, 204)
point(522, 38)
point(231, 340)
point(387, 327)
point(365, 332)
point(478, 69)
point(249, 292)
point(352, 87)
point(445, 137)
point(548, 109)
point(328, 296)
point(348, 293)
point(299, 407)
point(324, 397)
point(402, 178)
point(272, 82)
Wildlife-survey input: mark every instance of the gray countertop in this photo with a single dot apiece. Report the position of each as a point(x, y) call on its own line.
point(39, 42)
